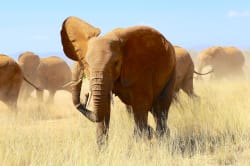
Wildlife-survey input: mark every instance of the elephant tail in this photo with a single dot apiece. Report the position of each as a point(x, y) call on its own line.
point(211, 71)
point(30, 83)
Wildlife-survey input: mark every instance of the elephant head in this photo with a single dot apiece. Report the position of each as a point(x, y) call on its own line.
point(211, 57)
point(225, 61)
point(29, 62)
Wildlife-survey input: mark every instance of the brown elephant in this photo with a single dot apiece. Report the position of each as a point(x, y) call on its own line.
point(11, 78)
point(117, 63)
point(225, 61)
point(49, 73)
point(185, 71)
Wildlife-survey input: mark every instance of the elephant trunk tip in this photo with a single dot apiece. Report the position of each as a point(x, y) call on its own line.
point(89, 114)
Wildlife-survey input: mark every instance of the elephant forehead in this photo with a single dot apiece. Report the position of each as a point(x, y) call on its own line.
point(99, 43)
point(99, 49)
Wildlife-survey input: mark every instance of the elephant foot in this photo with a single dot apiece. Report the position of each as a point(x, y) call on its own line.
point(148, 132)
point(160, 133)
point(102, 134)
point(102, 140)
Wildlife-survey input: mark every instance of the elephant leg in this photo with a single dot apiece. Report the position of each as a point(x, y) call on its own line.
point(24, 96)
point(129, 109)
point(141, 122)
point(12, 95)
point(39, 95)
point(238, 73)
point(161, 107)
point(12, 104)
point(51, 96)
point(102, 130)
point(188, 87)
point(25, 92)
point(160, 117)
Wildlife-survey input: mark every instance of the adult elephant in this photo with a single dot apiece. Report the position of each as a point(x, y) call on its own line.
point(185, 71)
point(49, 73)
point(11, 78)
point(117, 63)
point(225, 61)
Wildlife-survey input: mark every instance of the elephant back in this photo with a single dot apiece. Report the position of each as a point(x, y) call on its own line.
point(4, 60)
point(184, 63)
point(235, 55)
point(54, 72)
point(53, 61)
point(9, 69)
point(155, 52)
point(183, 57)
point(181, 53)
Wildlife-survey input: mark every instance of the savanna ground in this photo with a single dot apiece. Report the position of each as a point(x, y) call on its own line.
point(214, 130)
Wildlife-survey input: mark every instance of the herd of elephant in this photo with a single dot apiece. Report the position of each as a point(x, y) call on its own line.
point(18, 80)
point(137, 64)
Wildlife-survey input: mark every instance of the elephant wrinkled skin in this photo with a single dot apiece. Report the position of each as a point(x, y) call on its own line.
point(49, 73)
point(117, 62)
point(226, 62)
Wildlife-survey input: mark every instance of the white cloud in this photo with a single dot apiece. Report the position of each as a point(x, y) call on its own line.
point(234, 13)
point(40, 37)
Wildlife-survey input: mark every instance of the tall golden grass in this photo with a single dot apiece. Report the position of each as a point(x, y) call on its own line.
point(212, 130)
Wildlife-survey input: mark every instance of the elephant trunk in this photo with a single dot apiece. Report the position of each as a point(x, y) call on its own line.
point(100, 88)
point(76, 91)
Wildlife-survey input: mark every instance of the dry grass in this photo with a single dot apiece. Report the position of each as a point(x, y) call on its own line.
point(214, 130)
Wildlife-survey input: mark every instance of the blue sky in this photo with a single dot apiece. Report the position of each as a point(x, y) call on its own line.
point(29, 25)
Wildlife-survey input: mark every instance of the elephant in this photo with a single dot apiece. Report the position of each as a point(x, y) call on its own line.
point(184, 72)
point(49, 73)
point(116, 63)
point(11, 78)
point(226, 62)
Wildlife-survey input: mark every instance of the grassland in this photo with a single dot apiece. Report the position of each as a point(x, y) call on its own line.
point(214, 130)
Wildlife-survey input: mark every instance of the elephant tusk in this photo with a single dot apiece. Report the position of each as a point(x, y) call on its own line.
point(72, 83)
point(67, 84)
point(89, 98)
point(86, 99)
point(76, 82)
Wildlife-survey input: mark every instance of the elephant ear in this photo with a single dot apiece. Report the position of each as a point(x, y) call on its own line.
point(140, 46)
point(75, 34)
point(218, 54)
point(29, 59)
